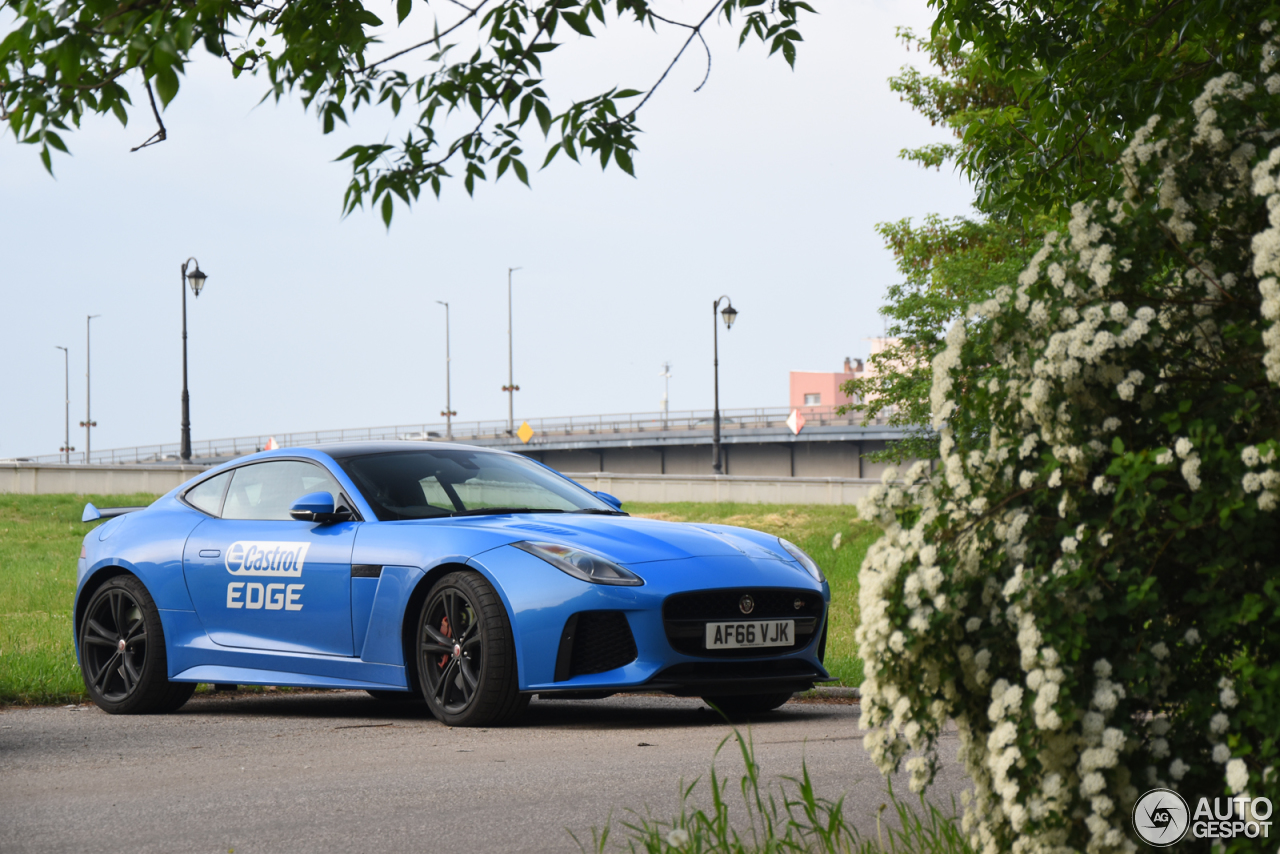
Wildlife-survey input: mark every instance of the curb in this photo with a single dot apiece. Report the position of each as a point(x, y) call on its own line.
point(823, 692)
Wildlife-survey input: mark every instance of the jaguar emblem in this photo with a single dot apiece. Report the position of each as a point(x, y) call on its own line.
point(746, 604)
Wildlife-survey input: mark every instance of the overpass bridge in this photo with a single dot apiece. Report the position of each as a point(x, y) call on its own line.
point(754, 442)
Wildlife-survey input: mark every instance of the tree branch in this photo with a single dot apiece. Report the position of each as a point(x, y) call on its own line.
point(697, 33)
point(471, 13)
point(160, 135)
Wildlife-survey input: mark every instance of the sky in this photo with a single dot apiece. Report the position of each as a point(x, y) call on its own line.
point(766, 186)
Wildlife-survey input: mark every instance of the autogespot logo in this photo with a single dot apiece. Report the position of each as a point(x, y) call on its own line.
point(1160, 818)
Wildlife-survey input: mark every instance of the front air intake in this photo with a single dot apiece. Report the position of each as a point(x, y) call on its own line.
point(593, 642)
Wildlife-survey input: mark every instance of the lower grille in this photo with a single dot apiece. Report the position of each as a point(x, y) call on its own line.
point(685, 617)
point(593, 642)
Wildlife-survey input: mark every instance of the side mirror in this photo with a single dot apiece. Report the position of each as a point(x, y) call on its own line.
point(318, 507)
point(610, 500)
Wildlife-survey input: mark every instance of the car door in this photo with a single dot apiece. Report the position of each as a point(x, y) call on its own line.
point(261, 579)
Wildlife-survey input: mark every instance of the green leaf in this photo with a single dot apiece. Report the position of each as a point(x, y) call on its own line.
point(166, 84)
point(578, 22)
point(551, 154)
point(403, 8)
point(623, 159)
point(55, 140)
point(1117, 445)
point(521, 172)
point(544, 117)
point(387, 209)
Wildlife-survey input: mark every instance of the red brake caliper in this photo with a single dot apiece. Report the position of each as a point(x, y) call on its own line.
point(447, 632)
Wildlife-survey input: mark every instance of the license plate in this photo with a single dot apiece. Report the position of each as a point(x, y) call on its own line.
point(738, 635)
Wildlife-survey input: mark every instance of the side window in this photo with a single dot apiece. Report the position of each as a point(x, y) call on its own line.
point(207, 496)
point(267, 490)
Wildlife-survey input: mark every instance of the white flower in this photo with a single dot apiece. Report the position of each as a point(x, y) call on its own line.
point(1055, 479)
point(1092, 783)
point(1192, 637)
point(1218, 723)
point(678, 837)
point(1102, 668)
point(973, 624)
point(1160, 651)
point(1028, 478)
point(1228, 697)
point(1237, 775)
point(1221, 753)
point(835, 541)
point(1069, 545)
point(1191, 472)
point(1183, 447)
point(1178, 769)
point(1164, 457)
point(1250, 456)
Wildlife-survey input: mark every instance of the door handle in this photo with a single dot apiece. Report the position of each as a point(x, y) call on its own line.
point(209, 552)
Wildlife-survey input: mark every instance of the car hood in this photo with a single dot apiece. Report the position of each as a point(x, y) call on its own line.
point(629, 540)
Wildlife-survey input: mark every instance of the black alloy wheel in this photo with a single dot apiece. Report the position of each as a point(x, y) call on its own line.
point(122, 654)
point(466, 654)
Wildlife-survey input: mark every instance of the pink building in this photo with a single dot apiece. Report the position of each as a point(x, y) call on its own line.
point(817, 393)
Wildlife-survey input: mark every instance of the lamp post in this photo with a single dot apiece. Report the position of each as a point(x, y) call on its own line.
point(510, 388)
point(196, 279)
point(66, 413)
point(88, 423)
point(448, 397)
point(666, 390)
point(729, 313)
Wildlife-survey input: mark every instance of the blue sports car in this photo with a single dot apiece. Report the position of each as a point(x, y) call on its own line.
point(472, 579)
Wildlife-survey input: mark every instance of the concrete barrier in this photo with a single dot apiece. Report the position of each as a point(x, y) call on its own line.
point(46, 479)
point(709, 488)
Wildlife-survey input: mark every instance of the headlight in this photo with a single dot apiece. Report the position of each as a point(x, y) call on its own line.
point(582, 565)
point(803, 559)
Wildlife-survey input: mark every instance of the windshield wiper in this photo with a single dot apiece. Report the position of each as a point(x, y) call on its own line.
point(600, 511)
point(503, 511)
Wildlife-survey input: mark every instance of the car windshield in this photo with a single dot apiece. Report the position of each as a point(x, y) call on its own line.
point(450, 482)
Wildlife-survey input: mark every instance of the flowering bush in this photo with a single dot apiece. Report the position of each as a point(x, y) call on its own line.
point(1090, 583)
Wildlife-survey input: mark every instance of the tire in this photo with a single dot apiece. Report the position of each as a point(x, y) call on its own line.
point(748, 704)
point(122, 652)
point(395, 696)
point(466, 655)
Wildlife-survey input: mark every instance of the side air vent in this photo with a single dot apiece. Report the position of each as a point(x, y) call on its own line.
point(593, 642)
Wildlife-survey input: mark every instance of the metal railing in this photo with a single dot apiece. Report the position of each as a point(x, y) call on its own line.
point(490, 431)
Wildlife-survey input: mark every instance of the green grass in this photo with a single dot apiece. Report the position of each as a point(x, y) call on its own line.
point(786, 816)
point(40, 541)
point(813, 528)
point(39, 545)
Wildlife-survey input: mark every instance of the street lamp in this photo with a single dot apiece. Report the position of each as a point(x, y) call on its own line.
point(66, 393)
point(510, 388)
point(730, 314)
point(448, 398)
point(196, 280)
point(88, 423)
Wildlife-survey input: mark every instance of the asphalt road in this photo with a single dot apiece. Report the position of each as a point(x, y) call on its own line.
point(344, 772)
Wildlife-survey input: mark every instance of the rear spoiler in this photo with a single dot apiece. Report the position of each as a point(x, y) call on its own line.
point(93, 514)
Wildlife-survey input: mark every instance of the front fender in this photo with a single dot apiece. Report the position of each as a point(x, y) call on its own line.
point(539, 599)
